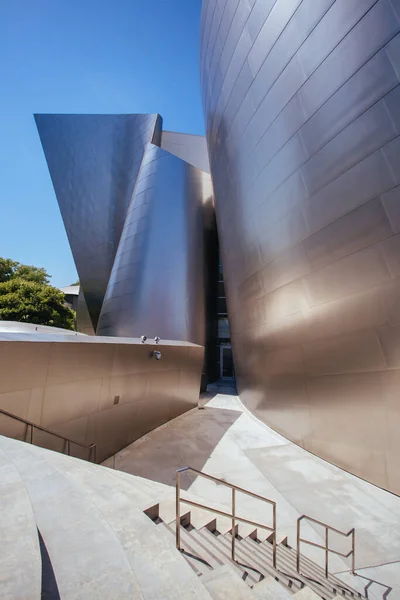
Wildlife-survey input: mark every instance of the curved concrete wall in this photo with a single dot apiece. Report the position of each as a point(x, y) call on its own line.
point(302, 107)
point(106, 390)
point(156, 285)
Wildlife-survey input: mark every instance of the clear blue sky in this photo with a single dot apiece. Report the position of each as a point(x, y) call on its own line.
point(83, 56)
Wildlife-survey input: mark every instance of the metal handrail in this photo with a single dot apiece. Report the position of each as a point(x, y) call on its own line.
point(232, 515)
point(67, 441)
point(328, 528)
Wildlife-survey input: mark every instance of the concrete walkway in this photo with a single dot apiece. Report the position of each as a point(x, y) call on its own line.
point(228, 442)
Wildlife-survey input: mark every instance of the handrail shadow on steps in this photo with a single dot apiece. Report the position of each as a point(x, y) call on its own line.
point(233, 516)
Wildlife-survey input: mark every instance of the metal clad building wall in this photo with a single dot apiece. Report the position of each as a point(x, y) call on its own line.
point(156, 286)
point(191, 148)
point(302, 107)
point(94, 161)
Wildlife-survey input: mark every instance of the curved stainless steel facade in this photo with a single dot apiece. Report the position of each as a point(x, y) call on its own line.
point(94, 161)
point(134, 218)
point(302, 108)
point(156, 285)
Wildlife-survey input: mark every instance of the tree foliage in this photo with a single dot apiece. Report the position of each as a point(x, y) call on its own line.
point(10, 269)
point(25, 295)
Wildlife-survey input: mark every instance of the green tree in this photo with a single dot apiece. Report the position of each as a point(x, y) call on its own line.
point(10, 269)
point(25, 295)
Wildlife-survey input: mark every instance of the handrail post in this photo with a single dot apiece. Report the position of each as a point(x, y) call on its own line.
point(298, 546)
point(326, 551)
point(353, 550)
point(177, 513)
point(274, 540)
point(233, 522)
point(26, 432)
point(31, 434)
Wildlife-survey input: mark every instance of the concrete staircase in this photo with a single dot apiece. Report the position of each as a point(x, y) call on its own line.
point(206, 545)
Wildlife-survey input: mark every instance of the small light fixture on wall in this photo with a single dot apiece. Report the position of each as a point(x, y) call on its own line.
point(157, 354)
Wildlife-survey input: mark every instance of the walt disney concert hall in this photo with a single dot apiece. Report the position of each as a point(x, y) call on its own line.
point(253, 274)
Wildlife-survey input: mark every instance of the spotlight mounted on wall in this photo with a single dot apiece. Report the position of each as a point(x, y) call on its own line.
point(143, 339)
point(157, 339)
point(157, 354)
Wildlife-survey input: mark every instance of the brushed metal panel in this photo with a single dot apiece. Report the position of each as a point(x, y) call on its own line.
point(392, 155)
point(356, 230)
point(302, 128)
point(82, 378)
point(354, 273)
point(161, 255)
point(392, 102)
point(94, 161)
point(341, 354)
point(284, 45)
point(391, 250)
point(277, 20)
point(289, 265)
point(358, 94)
point(393, 51)
point(358, 185)
point(336, 24)
point(367, 38)
point(391, 202)
point(389, 338)
point(390, 296)
point(288, 232)
point(362, 137)
point(191, 148)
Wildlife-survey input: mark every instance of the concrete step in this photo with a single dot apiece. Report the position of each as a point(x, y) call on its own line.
point(260, 555)
point(100, 543)
point(306, 594)
point(286, 563)
point(199, 565)
point(212, 543)
point(225, 584)
point(311, 569)
point(20, 559)
point(270, 589)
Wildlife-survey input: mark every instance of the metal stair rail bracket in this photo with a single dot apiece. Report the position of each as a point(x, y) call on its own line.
point(326, 548)
point(233, 516)
point(91, 448)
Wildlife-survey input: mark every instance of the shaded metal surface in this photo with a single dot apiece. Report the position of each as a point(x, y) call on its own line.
point(83, 321)
point(31, 427)
point(94, 161)
point(301, 102)
point(157, 281)
point(102, 390)
point(191, 148)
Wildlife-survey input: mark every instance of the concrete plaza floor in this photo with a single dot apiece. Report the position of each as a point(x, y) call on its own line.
point(223, 439)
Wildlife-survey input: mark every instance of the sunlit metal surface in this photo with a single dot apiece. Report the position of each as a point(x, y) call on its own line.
point(157, 285)
point(136, 217)
point(302, 108)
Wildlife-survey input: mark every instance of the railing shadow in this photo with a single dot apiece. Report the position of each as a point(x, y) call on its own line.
point(371, 582)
